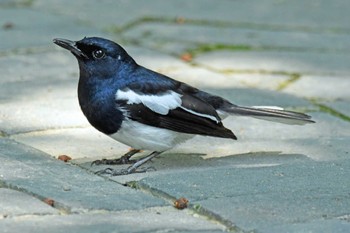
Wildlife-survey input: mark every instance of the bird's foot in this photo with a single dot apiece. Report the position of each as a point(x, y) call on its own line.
point(120, 161)
point(129, 170)
point(125, 159)
point(132, 169)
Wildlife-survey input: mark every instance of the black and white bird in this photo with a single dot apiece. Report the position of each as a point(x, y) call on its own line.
point(147, 110)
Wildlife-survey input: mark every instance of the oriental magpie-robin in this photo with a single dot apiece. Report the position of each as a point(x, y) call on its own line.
point(147, 110)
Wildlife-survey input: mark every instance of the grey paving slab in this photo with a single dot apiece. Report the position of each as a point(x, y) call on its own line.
point(275, 178)
point(38, 93)
point(71, 187)
point(39, 67)
point(299, 62)
point(32, 28)
point(325, 225)
point(166, 219)
point(14, 203)
point(203, 78)
point(187, 35)
point(261, 197)
point(14, 3)
point(77, 143)
point(319, 87)
point(341, 105)
point(155, 59)
point(169, 164)
point(315, 13)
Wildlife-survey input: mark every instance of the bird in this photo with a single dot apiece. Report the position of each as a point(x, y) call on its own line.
point(147, 110)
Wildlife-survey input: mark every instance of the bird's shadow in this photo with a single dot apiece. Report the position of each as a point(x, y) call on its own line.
point(184, 161)
point(260, 158)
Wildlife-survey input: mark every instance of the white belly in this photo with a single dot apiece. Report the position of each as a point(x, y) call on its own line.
point(144, 137)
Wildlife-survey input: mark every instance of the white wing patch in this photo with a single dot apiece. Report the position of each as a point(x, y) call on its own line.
point(213, 118)
point(160, 104)
point(268, 107)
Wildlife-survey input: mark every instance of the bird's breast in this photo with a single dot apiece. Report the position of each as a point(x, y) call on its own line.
point(100, 109)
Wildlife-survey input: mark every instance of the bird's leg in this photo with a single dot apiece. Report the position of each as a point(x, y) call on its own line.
point(125, 159)
point(132, 168)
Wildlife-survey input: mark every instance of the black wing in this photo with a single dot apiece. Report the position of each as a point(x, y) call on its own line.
point(192, 115)
point(178, 120)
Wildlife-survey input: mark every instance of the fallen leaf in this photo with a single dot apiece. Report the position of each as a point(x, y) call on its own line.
point(180, 20)
point(181, 203)
point(64, 158)
point(49, 201)
point(187, 57)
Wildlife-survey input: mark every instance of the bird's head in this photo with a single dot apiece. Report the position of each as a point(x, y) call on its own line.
point(97, 57)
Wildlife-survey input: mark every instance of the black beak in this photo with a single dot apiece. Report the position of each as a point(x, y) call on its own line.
point(71, 46)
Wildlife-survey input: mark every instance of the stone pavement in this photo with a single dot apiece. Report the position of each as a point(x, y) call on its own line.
point(275, 178)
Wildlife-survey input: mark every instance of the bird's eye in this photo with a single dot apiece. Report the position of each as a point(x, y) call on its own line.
point(98, 54)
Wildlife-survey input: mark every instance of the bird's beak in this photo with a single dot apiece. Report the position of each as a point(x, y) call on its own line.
point(71, 46)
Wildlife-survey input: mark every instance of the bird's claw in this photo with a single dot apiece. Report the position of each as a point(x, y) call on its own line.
point(129, 170)
point(122, 160)
point(112, 172)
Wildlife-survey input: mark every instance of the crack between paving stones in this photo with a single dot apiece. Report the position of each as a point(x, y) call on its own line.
point(223, 24)
point(202, 48)
point(326, 109)
point(233, 71)
point(63, 209)
point(244, 71)
point(292, 79)
point(252, 71)
point(207, 48)
point(3, 134)
point(195, 208)
point(94, 173)
point(293, 75)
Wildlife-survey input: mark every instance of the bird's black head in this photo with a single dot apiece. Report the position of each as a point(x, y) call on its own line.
point(97, 57)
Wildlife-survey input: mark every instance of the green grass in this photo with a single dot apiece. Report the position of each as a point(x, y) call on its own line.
point(293, 78)
point(205, 48)
point(331, 111)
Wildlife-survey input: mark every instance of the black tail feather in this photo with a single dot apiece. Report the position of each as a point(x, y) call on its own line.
point(271, 114)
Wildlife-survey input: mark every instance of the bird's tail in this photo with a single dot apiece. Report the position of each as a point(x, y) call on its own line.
point(271, 113)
